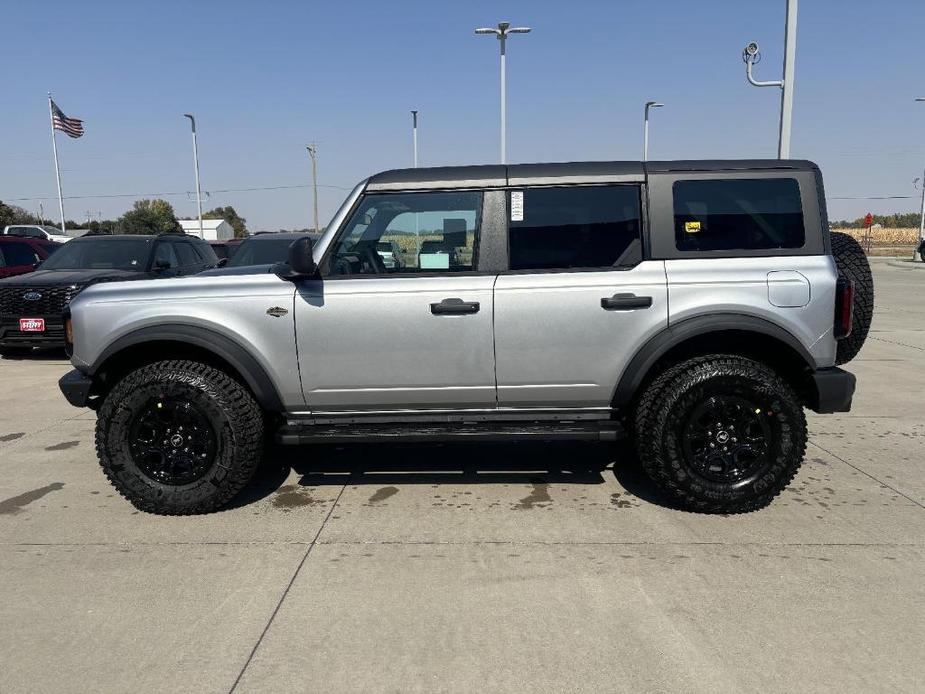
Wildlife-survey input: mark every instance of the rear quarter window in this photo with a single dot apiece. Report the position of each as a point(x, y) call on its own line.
point(738, 214)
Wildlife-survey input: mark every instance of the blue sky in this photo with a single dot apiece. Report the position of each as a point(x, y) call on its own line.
point(265, 78)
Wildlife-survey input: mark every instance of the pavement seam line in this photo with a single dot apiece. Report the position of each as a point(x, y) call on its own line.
point(282, 598)
point(473, 543)
point(16, 442)
point(893, 342)
point(864, 472)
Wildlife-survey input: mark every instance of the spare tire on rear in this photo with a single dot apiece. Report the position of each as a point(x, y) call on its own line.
point(852, 264)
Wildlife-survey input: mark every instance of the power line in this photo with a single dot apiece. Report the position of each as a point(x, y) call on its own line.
point(173, 193)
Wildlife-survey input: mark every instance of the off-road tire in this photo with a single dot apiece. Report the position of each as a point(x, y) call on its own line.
point(235, 418)
point(662, 418)
point(852, 263)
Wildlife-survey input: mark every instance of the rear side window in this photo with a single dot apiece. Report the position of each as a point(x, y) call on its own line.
point(574, 227)
point(738, 214)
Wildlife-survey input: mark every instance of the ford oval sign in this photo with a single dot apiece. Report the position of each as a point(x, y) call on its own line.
point(32, 296)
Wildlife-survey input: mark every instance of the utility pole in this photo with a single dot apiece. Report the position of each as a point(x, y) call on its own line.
point(922, 214)
point(196, 165)
point(504, 28)
point(645, 132)
point(752, 55)
point(414, 136)
point(312, 152)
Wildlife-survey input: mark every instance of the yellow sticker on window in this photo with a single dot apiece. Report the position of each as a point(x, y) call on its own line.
point(692, 227)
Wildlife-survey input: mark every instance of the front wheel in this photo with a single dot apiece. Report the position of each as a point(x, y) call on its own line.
point(179, 437)
point(721, 434)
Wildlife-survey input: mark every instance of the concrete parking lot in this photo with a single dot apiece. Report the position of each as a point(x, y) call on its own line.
point(470, 569)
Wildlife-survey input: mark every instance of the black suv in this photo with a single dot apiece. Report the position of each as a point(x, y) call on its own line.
point(31, 305)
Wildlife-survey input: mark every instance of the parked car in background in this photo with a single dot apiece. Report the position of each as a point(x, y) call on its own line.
point(221, 251)
point(390, 254)
point(36, 231)
point(31, 305)
point(262, 250)
point(21, 254)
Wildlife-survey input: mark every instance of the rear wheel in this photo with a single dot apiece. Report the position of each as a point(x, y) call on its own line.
point(179, 437)
point(720, 434)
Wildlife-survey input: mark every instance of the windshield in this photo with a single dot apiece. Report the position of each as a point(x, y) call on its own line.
point(101, 254)
point(261, 251)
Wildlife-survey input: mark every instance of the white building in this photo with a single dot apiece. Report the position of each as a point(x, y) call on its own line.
point(212, 229)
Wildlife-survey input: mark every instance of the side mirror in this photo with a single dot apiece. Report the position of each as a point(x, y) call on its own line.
point(222, 262)
point(301, 263)
point(160, 265)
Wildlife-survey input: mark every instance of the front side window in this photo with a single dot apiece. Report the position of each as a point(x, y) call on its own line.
point(187, 256)
point(574, 227)
point(738, 214)
point(409, 233)
point(19, 254)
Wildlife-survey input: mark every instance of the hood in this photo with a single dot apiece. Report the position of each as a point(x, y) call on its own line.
point(51, 278)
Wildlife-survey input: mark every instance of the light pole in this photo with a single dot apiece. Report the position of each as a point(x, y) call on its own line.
point(645, 132)
point(752, 55)
point(414, 136)
point(922, 217)
point(502, 31)
point(312, 151)
point(196, 165)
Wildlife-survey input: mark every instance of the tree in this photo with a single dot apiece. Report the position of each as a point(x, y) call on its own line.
point(13, 214)
point(228, 213)
point(149, 217)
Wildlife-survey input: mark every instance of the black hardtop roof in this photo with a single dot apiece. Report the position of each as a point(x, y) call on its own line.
point(495, 175)
point(116, 237)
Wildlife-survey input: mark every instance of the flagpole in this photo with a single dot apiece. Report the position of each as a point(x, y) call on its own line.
point(54, 145)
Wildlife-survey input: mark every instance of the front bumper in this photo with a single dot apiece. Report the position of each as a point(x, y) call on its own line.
point(76, 388)
point(834, 389)
point(11, 336)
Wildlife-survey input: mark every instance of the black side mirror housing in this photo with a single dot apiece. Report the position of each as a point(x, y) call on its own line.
point(222, 262)
point(301, 263)
point(161, 265)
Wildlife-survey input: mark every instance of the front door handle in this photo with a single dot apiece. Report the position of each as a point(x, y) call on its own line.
point(625, 302)
point(454, 306)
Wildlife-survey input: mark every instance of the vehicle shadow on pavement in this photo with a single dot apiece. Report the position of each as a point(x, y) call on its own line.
point(54, 354)
point(450, 463)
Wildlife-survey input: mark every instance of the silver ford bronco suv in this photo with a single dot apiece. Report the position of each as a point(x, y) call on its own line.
point(692, 307)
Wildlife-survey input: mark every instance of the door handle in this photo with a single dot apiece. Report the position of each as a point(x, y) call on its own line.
point(625, 302)
point(454, 306)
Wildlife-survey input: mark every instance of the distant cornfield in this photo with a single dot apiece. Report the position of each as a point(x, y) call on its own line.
point(885, 237)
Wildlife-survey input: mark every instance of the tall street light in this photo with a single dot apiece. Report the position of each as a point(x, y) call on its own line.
point(196, 165)
point(752, 55)
point(504, 28)
point(922, 218)
point(312, 151)
point(414, 136)
point(645, 135)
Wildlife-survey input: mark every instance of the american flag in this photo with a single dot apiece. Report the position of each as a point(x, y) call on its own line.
point(74, 127)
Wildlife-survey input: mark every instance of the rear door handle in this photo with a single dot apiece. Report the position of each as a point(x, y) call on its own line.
point(625, 302)
point(454, 306)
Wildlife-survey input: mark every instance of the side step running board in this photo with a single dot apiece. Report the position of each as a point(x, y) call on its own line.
point(295, 433)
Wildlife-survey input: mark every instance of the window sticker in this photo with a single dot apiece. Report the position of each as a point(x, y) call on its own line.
point(517, 206)
point(692, 227)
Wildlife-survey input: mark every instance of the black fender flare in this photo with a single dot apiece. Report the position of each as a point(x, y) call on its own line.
point(672, 336)
point(254, 375)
